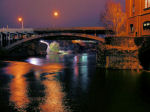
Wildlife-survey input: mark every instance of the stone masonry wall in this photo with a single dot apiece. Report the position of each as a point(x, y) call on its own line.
point(118, 53)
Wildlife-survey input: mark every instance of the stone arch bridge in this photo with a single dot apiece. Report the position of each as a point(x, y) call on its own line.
point(55, 36)
point(9, 38)
point(25, 42)
point(113, 52)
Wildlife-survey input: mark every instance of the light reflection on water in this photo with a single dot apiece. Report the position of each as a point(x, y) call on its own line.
point(81, 67)
point(35, 61)
point(45, 72)
point(19, 86)
point(73, 84)
point(53, 95)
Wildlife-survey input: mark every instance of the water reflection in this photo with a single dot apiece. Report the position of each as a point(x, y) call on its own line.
point(53, 95)
point(79, 86)
point(19, 98)
point(84, 58)
point(79, 73)
point(36, 61)
point(48, 68)
point(76, 67)
point(18, 69)
point(18, 85)
point(53, 58)
point(84, 77)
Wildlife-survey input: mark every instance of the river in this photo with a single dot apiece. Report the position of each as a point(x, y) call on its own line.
point(71, 83)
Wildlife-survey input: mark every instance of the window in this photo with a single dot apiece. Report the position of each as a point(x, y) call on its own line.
point(147, 3)
point(131, 28)
point(133, 7)
point(146, 25)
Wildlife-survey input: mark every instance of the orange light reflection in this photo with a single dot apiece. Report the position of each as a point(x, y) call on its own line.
point(54, 96)
point(48, 68)
point(18, 85)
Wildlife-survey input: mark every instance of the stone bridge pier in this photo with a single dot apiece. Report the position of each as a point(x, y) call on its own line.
point(122, 53)
point(144, 52)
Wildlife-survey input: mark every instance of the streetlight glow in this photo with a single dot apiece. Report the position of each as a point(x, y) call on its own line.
point(56, 14)
point(20, 19)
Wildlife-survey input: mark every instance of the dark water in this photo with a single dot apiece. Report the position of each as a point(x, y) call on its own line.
point(71, 83)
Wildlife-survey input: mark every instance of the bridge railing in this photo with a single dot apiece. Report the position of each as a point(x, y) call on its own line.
point(7, 38)
point(14, 30)
point(10, 36)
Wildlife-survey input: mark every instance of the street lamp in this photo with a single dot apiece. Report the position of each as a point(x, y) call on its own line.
point(20, 19)
point(55, 14)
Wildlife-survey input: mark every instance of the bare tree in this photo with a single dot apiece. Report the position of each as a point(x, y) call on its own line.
point(113, 17)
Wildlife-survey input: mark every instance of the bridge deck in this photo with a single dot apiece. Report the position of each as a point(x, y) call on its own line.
point(8, 37)
point(99, 30)
point(66, 35)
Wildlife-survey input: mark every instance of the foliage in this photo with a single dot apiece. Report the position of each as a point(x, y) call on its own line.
point(114, 18)
point(54, 47)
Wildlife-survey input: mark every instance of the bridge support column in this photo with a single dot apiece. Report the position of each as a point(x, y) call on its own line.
point(1, 40)
point(13, 38)
point(8, 36)
point(7, 39)
point(17, 36)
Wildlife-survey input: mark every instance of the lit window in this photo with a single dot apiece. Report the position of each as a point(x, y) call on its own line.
point(146, 25)
point(147, 3)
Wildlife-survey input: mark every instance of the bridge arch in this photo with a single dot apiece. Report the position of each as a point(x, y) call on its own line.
point(67, 36)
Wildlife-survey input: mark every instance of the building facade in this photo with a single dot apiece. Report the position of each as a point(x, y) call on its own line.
point(138, 14)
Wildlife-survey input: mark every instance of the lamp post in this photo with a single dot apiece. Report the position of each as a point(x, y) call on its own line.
point(20, 19)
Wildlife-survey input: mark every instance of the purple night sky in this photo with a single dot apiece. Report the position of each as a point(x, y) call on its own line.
point(38, 13)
